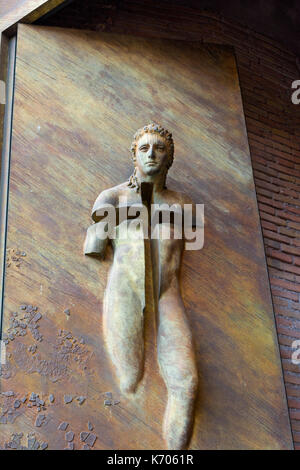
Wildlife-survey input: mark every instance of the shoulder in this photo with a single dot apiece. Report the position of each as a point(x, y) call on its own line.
point(107, 198)
point(112, 197)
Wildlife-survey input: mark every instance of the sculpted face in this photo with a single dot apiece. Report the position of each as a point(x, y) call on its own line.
point(151, 154)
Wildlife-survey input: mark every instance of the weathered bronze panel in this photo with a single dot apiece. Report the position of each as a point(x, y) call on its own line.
point(79, 97)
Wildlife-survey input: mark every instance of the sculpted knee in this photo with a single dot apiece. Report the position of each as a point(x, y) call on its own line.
point(129, 380)
point(185, 384)
point(189, 383)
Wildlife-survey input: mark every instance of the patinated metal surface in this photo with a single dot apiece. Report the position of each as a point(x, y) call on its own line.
point(78, 98)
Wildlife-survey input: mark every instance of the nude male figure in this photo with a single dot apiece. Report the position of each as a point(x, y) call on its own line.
point(152, 153)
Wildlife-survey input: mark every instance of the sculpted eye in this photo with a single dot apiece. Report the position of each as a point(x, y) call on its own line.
point(144, 148)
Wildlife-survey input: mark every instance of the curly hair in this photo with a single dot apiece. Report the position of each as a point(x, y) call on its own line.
point(151, 129)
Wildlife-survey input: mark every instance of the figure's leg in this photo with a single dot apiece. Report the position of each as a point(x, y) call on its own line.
point(123, 331)
point(178, 366)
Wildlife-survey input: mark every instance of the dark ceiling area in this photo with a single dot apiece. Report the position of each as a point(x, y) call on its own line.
point(279, 20)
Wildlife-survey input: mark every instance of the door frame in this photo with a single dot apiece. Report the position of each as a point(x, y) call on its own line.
point(8, 49)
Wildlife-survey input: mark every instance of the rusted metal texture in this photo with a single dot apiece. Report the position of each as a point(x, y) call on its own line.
point(79, 97)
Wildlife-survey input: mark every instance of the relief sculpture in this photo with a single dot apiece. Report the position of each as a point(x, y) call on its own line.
point(152, 153)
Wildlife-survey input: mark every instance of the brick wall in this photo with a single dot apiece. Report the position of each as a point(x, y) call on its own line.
point(266, 72)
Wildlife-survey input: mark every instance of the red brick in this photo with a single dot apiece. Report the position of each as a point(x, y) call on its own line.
point(262, 176)
point(258, 157)
point(295, 414)
point(279, 255)
point(288, 216)
point(294, 287)
point(268, 225)
point(264, 192)
point(283, 274)
point(290, 249)
point(292, 180)
point(270, 202)
point(283, 266)
point(296, 438)
point(271, 218)
point(294, 225)
point(292, 378)
point(270, 187)
point(285, 341)
point(285, 352)
point(288, 231)
point(295, 314)
point(280, 302)
point(285, 182)
point(293, 209)
point(268, 209)
point(295, 424)
point(286, 163)
point(281, 197)
point(285, 146)
point(281, 321)
point(285, 294)
point(275, 236)
point(294, 335)
point(291, 193)
point(271, 243)
point(293, 390)
point(289, 366)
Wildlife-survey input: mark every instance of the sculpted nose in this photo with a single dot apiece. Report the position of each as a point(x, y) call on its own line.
point(151, 152)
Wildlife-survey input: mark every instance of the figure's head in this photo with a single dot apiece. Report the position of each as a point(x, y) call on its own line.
point(152, 150)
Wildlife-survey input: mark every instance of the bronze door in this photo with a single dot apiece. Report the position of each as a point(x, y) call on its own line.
point(79, 96)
